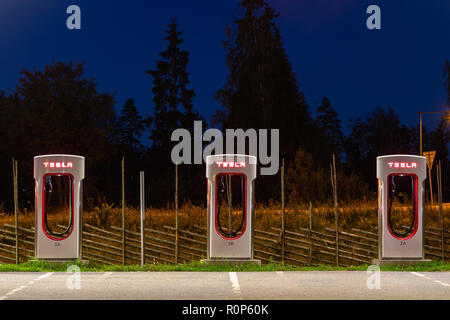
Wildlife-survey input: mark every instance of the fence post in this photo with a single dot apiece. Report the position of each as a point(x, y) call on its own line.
point(142, 203)
point(441, 213)
point(430, 180)
point(334, 185)
point(282, 212)
point(16, 207)
point(310, 233)
point(176, 213)
point(123, 209)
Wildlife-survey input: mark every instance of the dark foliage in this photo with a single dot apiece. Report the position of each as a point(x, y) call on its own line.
point(59, 110)
point(173, 109)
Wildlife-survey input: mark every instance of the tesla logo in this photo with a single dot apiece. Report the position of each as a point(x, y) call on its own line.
point(58, 164)
point(402, 165)
point(231, 164)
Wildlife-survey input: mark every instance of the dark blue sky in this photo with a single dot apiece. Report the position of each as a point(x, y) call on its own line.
point(331, 50)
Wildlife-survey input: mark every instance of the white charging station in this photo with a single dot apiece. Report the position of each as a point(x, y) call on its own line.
point(231, 204)
point(58, 206)
point(401, 208)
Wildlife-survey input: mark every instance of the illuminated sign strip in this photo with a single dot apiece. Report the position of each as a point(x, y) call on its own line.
point(58, 164)
point(231, 164)
point(402, 165)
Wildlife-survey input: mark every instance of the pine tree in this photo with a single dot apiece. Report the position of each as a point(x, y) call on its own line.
point(6, 123)
point(172, 97)
point(129, 128)
point(329, 124)
point(447, 81)
point(439, 139)
point(261, 89)
point(173, 109)
point(127, 137)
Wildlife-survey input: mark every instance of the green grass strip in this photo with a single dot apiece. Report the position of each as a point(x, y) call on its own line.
point(43, 266)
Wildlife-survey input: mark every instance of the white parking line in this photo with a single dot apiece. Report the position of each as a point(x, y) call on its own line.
point(417, 274)
point(428, 278)
point(48, 274)
point(235, 283)
point(104, 276)
point(420, 275)
point(13, 291)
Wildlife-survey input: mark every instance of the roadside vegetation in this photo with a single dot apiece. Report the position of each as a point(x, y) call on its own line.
point(40, 266)
point(355, 214)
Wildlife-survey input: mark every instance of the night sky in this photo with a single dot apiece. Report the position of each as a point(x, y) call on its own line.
point(331, 50)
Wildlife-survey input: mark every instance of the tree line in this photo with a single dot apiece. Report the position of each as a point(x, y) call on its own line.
point(60, 110)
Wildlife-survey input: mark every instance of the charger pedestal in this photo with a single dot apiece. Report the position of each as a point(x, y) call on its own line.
point(58, 197)
point(231, 205)
point(401, 180)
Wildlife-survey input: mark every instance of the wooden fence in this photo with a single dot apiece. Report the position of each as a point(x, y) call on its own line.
point(302, 247)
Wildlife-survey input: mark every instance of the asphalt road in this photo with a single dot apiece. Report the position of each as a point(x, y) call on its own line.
point(224, 285)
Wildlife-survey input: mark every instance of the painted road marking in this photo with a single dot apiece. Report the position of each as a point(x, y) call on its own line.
point(428, 278)
point(105, 275)
point(417, 274)
point(13, 291)
point(48, 274)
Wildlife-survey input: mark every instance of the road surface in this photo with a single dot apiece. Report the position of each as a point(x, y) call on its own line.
point(224, 285)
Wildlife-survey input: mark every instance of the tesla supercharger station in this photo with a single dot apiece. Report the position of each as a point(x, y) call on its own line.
point(400, 207)
point(58, 206)
point(231, 203)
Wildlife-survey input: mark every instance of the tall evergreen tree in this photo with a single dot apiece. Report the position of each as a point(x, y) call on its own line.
point(5, 160)
point(172, 97)
point(443, 132)
point(261, 89)
point(329, 124)
point(438, 141)
point(174, 109)
point(129, 128)
point(439, 138)
point(128, 132)
point(447, 81)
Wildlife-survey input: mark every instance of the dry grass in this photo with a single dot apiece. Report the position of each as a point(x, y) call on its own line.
point(358, 214)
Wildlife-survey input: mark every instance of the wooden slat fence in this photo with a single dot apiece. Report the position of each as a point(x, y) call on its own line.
point(301, 247)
